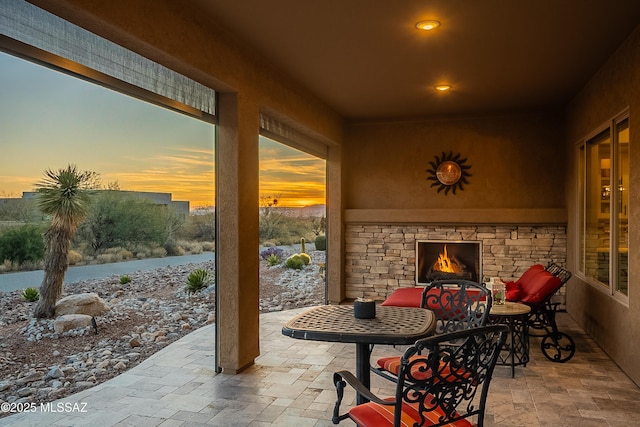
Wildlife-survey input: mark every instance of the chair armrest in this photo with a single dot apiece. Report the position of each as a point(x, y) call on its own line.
point(357, 385)
point(340, 380)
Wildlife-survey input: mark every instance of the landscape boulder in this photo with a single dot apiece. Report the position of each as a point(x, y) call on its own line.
point(67, 322)
point(88, 303)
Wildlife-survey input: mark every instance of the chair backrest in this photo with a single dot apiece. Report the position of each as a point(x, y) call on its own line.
point(457, 304)
point(458, 373)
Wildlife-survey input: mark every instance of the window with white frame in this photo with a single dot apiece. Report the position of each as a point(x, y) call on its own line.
point(604, 207)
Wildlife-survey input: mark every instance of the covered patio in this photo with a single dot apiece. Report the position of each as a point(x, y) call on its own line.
point(528, 93)
point(291, 385)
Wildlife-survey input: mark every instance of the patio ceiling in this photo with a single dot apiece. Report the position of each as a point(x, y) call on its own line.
point(366, 59)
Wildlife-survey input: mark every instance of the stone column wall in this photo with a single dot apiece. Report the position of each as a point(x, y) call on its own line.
point(381, 258)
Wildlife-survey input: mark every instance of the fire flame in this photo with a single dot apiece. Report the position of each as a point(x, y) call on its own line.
point(446, 264)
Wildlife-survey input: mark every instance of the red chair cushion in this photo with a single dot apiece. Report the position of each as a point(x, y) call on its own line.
point(539, 287)
point(405, 297)
point(412, 297)
point(531, 272)
point(392, 365)
point(376, 415)
point(512, 290)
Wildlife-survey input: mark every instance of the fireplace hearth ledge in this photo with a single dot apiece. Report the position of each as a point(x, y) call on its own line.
point(457, 216)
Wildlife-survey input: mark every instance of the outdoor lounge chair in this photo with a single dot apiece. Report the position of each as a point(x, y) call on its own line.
point(455, 390)
point(536, 288)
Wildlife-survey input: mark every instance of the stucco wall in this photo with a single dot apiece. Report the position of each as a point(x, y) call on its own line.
point(614, 325)
point(514, 161)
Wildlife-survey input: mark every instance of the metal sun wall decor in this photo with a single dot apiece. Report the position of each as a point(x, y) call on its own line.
point(449, 172)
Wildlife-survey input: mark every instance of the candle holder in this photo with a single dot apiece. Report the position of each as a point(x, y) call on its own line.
point(498, 292)
point(364, 308)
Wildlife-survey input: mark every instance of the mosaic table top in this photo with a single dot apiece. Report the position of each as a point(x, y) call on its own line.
point(336, 323)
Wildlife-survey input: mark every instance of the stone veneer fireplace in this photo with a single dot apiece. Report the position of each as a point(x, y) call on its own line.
point(382, 257)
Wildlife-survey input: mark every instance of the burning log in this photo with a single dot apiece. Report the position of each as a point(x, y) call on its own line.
point(446, 267)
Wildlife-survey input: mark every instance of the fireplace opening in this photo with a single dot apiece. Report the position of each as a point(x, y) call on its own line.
point(443, 260)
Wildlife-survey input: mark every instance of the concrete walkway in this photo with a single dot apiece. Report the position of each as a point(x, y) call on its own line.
point(33, 279)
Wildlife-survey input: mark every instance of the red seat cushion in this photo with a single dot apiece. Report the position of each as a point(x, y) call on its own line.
point(405, 297)
point(514, 291)
point(531, 272)
point(376, 415)
point(392, 365)
point(539, 288)
point(412, 297)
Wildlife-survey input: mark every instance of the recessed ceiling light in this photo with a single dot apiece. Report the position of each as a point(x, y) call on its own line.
point(443, 88)
point(427, 25)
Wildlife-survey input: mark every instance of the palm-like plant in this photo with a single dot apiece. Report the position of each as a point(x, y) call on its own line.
point(63, 194)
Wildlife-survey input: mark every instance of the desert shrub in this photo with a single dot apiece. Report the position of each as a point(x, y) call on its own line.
point(173, 248)
point(125, 254)
point(31, 294)
point(197, 280)
point(295, 262)
point(321, 243)
point(278, 252)
point(119, 219)
point(119, 253)
point(306, 258)
point(199, 227)
point(208, 246)
point(124, 279)
point(31, 265)
point(273, 260)
point(20, 210)
point(106, 258)
point(191, 246)
point(73, 257)
point(288, 240)
point(158, 252)
point(196, 248)
point(21, 244)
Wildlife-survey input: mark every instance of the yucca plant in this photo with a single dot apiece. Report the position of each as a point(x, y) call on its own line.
point(197, 281)
point(31, 294)
point(124, 279)
point(63, 194)
point(273, 260)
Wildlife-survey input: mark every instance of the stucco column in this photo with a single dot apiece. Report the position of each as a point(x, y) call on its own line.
point(237, 163)
point(335, 228)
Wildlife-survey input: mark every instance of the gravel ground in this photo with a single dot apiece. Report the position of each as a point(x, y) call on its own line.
point(146, 314)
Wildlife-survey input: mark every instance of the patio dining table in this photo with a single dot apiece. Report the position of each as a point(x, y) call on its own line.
point(337, 323)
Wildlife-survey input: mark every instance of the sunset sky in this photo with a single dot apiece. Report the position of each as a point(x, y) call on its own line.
point(49, 119)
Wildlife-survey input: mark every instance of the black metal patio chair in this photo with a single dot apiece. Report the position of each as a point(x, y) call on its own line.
point(457, 304)
point(454, 390)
